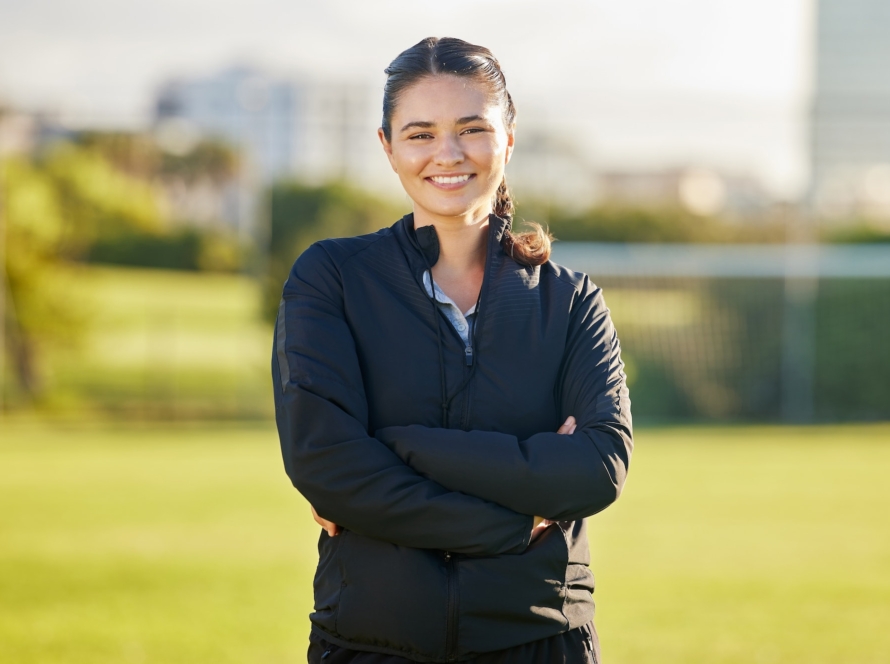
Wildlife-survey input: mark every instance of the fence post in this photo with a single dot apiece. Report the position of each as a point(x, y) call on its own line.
point(3, 284)
point(798, 371)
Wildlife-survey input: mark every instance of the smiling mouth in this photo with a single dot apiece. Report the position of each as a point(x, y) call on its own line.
point(449, 179)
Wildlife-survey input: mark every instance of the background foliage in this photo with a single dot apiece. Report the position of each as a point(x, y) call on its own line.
point(302, 214)
point(98, 199)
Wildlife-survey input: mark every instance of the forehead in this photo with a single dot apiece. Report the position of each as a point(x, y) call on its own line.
point(444, 98)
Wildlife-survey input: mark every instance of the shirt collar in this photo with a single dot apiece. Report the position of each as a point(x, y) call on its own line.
point(440, 295)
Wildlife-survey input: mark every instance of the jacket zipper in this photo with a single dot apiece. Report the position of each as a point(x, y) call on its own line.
point(468, 354)
point(451, 619)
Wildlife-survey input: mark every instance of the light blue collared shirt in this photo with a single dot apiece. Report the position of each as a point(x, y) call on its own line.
point(461, 320)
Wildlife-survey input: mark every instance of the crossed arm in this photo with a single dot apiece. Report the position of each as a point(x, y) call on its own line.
point(567, 428)
point(471, 492)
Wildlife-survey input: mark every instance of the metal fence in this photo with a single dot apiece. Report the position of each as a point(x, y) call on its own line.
point(721, 332)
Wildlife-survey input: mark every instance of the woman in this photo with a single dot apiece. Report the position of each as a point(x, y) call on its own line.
point(451, 403)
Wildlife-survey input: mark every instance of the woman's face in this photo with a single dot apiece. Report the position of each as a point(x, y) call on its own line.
point(449, 148)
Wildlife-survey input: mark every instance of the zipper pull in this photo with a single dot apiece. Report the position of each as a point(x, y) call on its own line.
point(447, 556)
point(468, 355)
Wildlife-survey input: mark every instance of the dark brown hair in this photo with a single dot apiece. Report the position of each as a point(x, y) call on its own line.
point(456, 57)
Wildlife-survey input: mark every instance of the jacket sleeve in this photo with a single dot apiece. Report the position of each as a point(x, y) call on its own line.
point(559, 477)
point(350, 477)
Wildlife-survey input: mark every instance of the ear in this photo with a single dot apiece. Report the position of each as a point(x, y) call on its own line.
point(511, 138)
point(387, 148)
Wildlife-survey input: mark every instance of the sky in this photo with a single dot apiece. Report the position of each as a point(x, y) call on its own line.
point(635, 84)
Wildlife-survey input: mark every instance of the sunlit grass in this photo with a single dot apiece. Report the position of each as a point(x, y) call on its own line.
point(168, 545)
point(127, 545)
point(749, 545)
point(163, 344)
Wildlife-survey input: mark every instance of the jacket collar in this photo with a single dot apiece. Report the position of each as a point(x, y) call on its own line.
point(422, 245)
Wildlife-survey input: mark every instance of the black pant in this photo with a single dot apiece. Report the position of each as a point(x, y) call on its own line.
point(578, 646)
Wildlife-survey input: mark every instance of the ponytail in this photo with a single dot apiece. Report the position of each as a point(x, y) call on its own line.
point(529, 248)
point(503, 203)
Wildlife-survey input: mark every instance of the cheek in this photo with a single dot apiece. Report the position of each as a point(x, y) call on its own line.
point(492, 151)
point(493, 157)
point(410, 160)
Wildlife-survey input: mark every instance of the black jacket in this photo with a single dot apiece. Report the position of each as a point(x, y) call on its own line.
point(435, 563)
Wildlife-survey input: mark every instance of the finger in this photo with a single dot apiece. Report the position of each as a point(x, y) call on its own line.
point(574, 426)
point(318, 519)
point(539, 528)
point(567, 426)
point(331, 528)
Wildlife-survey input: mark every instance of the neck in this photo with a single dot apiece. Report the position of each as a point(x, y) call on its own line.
point(462, 243)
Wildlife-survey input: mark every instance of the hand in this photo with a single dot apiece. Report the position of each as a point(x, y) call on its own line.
point(539, 526)
point(330, 527)
point(568, 426)
point(540, 523)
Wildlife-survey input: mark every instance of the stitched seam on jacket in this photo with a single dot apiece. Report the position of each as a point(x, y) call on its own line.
point(565, 278)
point(348, 258)
point(280, 339)
point(281, 327)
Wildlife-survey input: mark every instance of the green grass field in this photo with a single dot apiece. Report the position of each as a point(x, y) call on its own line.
point(158, 344)
point(188, 545)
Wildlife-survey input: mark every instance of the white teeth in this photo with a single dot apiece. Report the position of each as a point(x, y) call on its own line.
point(454, 179)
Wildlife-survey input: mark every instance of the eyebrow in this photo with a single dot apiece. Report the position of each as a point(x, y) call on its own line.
point(420, 124)
point(425, 124)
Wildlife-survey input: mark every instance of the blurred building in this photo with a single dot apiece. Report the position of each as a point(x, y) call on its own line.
point(27, 132)
point(285, 127)
point(19, 132)
point(851, 110)
point(315, 130)
point(702, 191)
point(242, 106)
point(549, 168)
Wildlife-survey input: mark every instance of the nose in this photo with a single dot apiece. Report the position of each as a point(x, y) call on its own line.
point(449, 151)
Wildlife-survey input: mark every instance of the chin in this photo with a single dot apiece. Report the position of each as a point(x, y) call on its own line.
point(453, 210)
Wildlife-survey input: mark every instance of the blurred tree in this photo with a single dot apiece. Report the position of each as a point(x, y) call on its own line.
point(210, 158)
point(139, 155)
point(617, 224)
point(210, 165)
point(612, 223)
point(135, 154)
point(55, 209)
point(859, 232)
point(34, 229)
point(302, 214)
point(96, 199)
